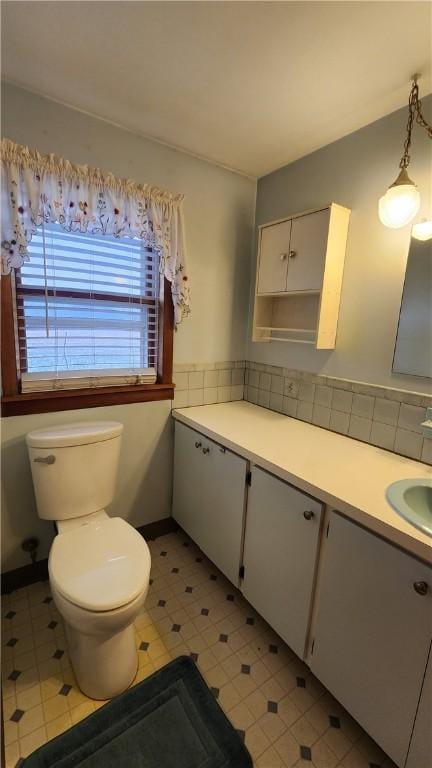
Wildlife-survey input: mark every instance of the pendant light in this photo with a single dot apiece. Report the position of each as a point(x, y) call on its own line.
point(401, 202)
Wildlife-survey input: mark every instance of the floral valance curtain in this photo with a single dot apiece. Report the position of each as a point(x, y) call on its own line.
point(38, 189)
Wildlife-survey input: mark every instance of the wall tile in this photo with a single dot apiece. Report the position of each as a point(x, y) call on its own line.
point(339, 421)
point(264, 398)
point(306, 391)
point(277, 384)
point(224, 394)
point(265, 381)
point(408, 443)
point(342, 400)
point(363, 405)
point(196, 380)
point(181, 380)
point(426, 454)
point(253, 379)
point(289, 406)
point(196, 397)
point(321, 416)
point(386, 411)
point(237, 376)
point(360, 428)
point(211, 378)
point(383, 435)
point(276, 401)
point(323, 395)
point(237, 392)
point(252, 394)
point(304, 411)
point(181, 399)
point(411, 417)
point(210, 395)
point(224, 378)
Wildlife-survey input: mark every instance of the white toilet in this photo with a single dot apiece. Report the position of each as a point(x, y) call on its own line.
point(99, 567)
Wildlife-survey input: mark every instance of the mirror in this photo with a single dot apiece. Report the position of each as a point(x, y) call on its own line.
point(413, 349)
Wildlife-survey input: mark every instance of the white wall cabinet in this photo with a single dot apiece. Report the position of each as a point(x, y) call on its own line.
point(209, 493)
point(373, 632)
point(299, 277)
point(280, 550)
point(273, 268)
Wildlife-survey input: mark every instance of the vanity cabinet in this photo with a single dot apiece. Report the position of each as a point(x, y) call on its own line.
point(299, 277)
point(420, 750)
point(209, 493)
point(372, 632)
point(280, 551)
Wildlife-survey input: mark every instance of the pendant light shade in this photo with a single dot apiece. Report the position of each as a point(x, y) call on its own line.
point(422, 230)
point(400, 203)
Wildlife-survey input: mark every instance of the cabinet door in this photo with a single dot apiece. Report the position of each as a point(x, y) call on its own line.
point(307, 251)
point(209, 493)
point(273, 258)
point(373, 632)
point(279, 555)
point(420, 749)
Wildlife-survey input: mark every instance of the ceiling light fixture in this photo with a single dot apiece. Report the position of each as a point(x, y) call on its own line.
point(401, 202)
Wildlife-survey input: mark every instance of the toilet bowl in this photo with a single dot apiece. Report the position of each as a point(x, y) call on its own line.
point(99, 567)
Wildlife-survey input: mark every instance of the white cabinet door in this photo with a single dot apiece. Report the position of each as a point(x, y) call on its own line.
point(209, 493)
point(307, 251)
point(420, 749)
point(281, 539)
point(373, 632)
point(274, 257)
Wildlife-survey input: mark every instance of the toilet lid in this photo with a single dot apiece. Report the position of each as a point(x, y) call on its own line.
point(100, 565)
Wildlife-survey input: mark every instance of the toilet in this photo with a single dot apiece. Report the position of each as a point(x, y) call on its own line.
point(99, 566)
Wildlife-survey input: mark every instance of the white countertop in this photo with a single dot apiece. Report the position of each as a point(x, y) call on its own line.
point(348, 475)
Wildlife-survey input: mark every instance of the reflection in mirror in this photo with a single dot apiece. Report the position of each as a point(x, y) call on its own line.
point(413, 350)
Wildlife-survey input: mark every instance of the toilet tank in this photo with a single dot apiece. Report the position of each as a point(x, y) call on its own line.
point(74, 467)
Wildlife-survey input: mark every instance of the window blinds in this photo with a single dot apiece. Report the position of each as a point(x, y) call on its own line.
point(87, 311)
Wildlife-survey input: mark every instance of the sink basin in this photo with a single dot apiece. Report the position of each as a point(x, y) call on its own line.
point(412, 500)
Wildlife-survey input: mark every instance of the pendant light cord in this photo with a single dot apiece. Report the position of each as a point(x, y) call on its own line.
point(414, 113)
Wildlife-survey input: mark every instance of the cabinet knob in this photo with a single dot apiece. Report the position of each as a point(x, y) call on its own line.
point(283, 256)
point(308, 515)
point(421, 587)
point(292, 254)
point(198, 445)
point(206, 450)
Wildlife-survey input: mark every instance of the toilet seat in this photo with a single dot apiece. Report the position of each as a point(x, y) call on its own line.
point(101, 565)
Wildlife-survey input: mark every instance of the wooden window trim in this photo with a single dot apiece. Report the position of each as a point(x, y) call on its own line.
point(14, 403)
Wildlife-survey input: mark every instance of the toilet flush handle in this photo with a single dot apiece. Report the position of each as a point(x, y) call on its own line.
point(45, 459)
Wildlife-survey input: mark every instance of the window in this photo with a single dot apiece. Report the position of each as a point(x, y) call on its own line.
point(87, 316)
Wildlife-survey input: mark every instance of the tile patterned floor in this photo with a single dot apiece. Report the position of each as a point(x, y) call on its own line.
point(285, 715)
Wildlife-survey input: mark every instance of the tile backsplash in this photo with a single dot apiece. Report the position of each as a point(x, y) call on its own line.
point(388, 418)
point(206, 383)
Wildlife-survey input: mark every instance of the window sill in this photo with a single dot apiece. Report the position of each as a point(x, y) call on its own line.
point(92, 397)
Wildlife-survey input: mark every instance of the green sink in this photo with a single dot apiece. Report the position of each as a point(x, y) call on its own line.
point(412, 500)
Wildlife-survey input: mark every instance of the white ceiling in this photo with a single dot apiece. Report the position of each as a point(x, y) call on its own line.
point(248, 85)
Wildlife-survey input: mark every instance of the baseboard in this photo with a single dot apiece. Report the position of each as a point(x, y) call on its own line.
point(24, 576)
point(158, 528)
point(29, 574)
